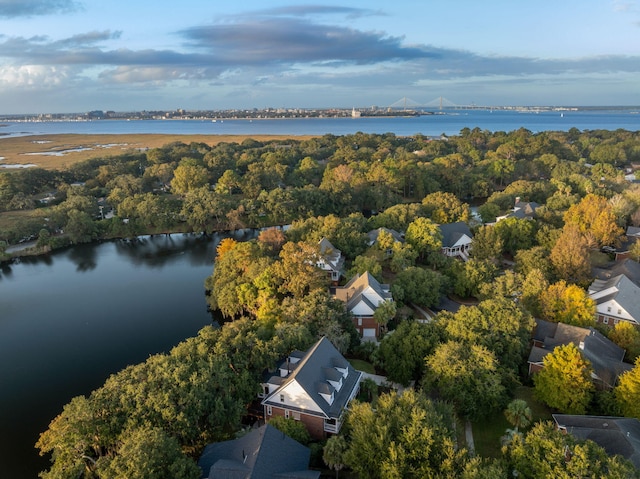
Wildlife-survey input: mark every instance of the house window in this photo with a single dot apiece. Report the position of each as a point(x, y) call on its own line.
point(605, 320)
point(608, 309)
point(269, 411)
point(296, 415)
point(286, 414)
point(615, 321)
point(619, 311)
point(359, 321)
point(281, 397)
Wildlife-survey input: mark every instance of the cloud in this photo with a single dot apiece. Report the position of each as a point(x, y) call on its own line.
point(350, 13)
point(31, 8)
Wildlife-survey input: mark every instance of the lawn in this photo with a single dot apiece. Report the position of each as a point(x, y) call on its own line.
point(487, 433)
point(363, 366)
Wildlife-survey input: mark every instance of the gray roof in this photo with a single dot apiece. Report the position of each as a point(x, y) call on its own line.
point(524, 209)
point(373, 235)
point(332, 255)
point(626, 293)
point(628, 267)
point(633, 231)
point(311, 375)
point(604, 355)
point(452, 232)
point(351, 293)
point(263, 453)
point(616, 435)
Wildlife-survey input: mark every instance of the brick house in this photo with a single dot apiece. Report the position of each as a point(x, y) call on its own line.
point(314, 387)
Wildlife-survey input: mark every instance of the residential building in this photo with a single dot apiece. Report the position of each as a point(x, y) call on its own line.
point(372, 238)
point(617, 299)
point(362, 295)
point(315, 388)
point(616, 435)
point(263, 453)
point(330, 260)
point(605, 357)
point(521, 210)
point(456, 239)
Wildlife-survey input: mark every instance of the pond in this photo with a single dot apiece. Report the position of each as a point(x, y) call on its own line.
point(70, 319)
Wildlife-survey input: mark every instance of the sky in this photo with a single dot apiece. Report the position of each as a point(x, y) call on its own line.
point(60, 56)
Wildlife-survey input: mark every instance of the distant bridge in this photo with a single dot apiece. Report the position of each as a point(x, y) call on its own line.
point(440, 103)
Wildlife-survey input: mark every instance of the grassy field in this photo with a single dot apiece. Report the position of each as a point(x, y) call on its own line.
point(487, 433)
point(52, 151)
point(363, 366)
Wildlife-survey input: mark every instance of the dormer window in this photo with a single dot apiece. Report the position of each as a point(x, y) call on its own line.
point(281, 397)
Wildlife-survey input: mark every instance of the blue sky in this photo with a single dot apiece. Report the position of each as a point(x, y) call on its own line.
point(80, 55)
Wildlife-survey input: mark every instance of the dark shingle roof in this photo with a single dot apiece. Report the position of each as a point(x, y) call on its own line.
point(616, 435)
point(310, 375)
point(452, 232)
point(263, 453)
point(605, 356)
point(628, 267)
point(373, 235)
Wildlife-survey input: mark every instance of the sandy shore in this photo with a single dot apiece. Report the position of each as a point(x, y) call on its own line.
point(61, 151)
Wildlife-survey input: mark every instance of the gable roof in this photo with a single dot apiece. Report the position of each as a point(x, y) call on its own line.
point(525, 209)
point(628, 267)
point(313, 374)
point(452, 232)
point(633, 231)
point(622, 290)
point(331, 255)
point(604, 355)
point(616, 435)
point(352, 292)
point(263, 453)
point(373, 235)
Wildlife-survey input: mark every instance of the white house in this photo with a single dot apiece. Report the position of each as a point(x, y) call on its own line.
point(617, 299)
point(456, 239)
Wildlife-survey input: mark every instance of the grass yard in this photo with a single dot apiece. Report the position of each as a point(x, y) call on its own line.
point(487, 433)
point(363, 366)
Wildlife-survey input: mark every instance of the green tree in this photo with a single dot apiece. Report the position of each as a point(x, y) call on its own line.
point(405, 436)
point(292, 428)
point(297, 269)
point(424, 236)
point(487, 244)
point(469, 276)
point(334, 452)
point(417, 285)
point(188, 177)
point(564, 383)
point(444, 207)
point(568, 304)
point(384, 313)
point(469, 376)
point(516, 234)
point(518, 413)
point(544, 451)
point(402, 353)
point(627, 392)
point(148, 452)
point(627, 336)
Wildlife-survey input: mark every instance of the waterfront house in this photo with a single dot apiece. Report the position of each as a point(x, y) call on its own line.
point(314, 388)
point(456, 239)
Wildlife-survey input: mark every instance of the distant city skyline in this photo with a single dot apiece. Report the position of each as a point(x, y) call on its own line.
point(83, 55)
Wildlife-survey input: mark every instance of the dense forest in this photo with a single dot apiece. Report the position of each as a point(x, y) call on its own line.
point(153, 419)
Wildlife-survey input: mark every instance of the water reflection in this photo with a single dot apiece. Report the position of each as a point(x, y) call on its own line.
point(84, 258)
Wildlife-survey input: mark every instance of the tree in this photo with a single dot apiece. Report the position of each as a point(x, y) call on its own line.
point(334, 452)
point(402, 353)
point(496, 324)
point(469, 376)
point(516, 234)
point(532, 287)
point(148, 452)
point(417, 285)
point(570, 256)
point(405, 436)
point(564, 382)
point(627, 336)
point(297, 269)
point(188, 177)
point(384, 313)
point(595, 215)
point(469, 276)
point(518, 413)
point(424, 235)
point(487, 244)
point(444, 207)
point(627, 392)
point(570, 304)
point(292, 428)
point(546, 452)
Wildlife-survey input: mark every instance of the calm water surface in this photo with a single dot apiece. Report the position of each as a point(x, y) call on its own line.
point(449, 123)
point(69, 320)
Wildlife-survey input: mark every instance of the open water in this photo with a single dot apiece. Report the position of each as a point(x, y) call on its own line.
point(69, 319)
point(449, 123)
